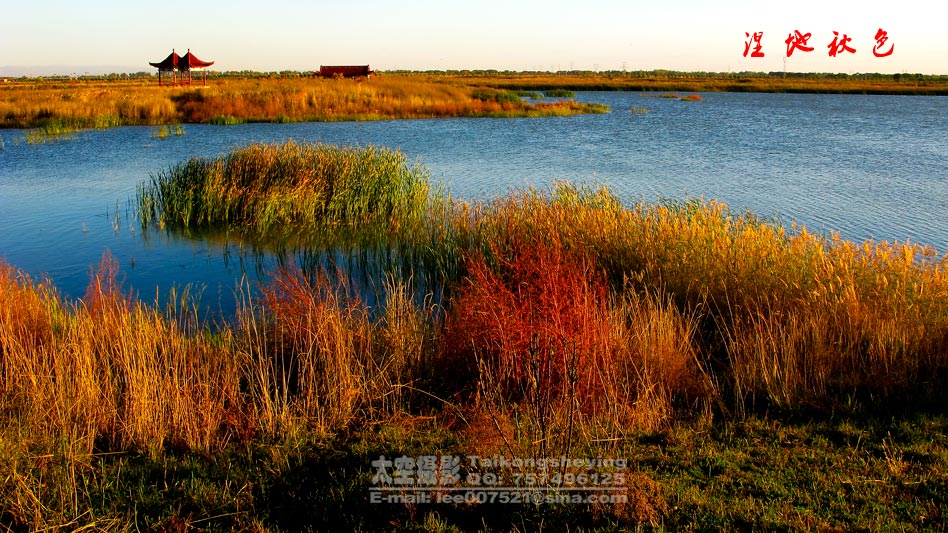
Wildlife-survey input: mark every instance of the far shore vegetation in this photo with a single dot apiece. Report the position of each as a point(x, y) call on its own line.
point(754, 376)
point(61, 105)
point(675, 81)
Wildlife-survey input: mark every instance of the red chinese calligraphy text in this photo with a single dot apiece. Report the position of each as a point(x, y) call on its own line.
point(839, 46)
point(881, 38)
point(753, 40)
point(797, 40)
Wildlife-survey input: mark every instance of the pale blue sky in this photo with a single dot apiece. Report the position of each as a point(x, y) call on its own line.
point(516, 35)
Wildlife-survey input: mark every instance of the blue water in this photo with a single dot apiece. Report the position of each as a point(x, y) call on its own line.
point(869, 167)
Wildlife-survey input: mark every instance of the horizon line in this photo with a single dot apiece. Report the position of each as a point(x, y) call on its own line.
point(11, 71)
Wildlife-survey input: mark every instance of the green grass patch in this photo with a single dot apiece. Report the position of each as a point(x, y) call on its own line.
point(559, 93)
point(225, 120)
point(756, 474)
point(495, 95)
point(301, 190)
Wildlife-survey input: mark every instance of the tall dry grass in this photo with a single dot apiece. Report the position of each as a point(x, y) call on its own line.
point(785, 317)
point(127, 375)
point(665, 81)
point(110, 374)
point(114, 372)
point(344, 99)
point(85, 105)
point(78, 105)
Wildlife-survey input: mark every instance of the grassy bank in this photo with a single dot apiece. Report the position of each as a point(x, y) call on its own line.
point(59, 107)
point(752, 376)
point(71, 105)
point(663, 81)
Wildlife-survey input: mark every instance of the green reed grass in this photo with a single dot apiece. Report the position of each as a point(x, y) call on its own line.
point(300, 190)
point(225, 120)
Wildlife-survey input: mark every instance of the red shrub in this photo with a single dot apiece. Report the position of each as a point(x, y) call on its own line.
point(535, 324)
point(104, 292)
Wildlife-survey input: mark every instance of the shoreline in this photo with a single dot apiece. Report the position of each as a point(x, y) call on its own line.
point(65, 105)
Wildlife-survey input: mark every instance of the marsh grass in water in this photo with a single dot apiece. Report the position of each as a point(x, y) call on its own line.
point(301, 190)
point(163, 132)
point(670, 81)
point(225, 120)
point(559, 93)
point(52, 131)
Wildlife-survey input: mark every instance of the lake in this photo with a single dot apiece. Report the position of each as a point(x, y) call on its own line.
point(869, 167)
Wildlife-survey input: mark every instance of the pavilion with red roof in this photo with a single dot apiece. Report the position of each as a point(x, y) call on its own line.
point(186, 63)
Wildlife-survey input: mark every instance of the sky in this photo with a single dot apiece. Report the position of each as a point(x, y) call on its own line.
point(71, 37)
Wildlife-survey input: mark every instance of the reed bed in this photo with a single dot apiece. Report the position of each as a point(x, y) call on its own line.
point(660, 81)
point(278, 191)
point(82, 105)
point(780, 317)
point(74, 106)
point(786, 318)
point(568, 319)
point(112, 375)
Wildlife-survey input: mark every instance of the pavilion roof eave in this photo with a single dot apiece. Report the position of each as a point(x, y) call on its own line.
point(190, 61)
point(169, 63)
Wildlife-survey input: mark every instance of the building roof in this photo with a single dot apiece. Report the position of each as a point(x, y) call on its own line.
point(345, 70)
point(169, 63)
point(190, 61)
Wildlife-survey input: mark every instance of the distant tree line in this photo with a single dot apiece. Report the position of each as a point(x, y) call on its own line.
point(611, 74)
